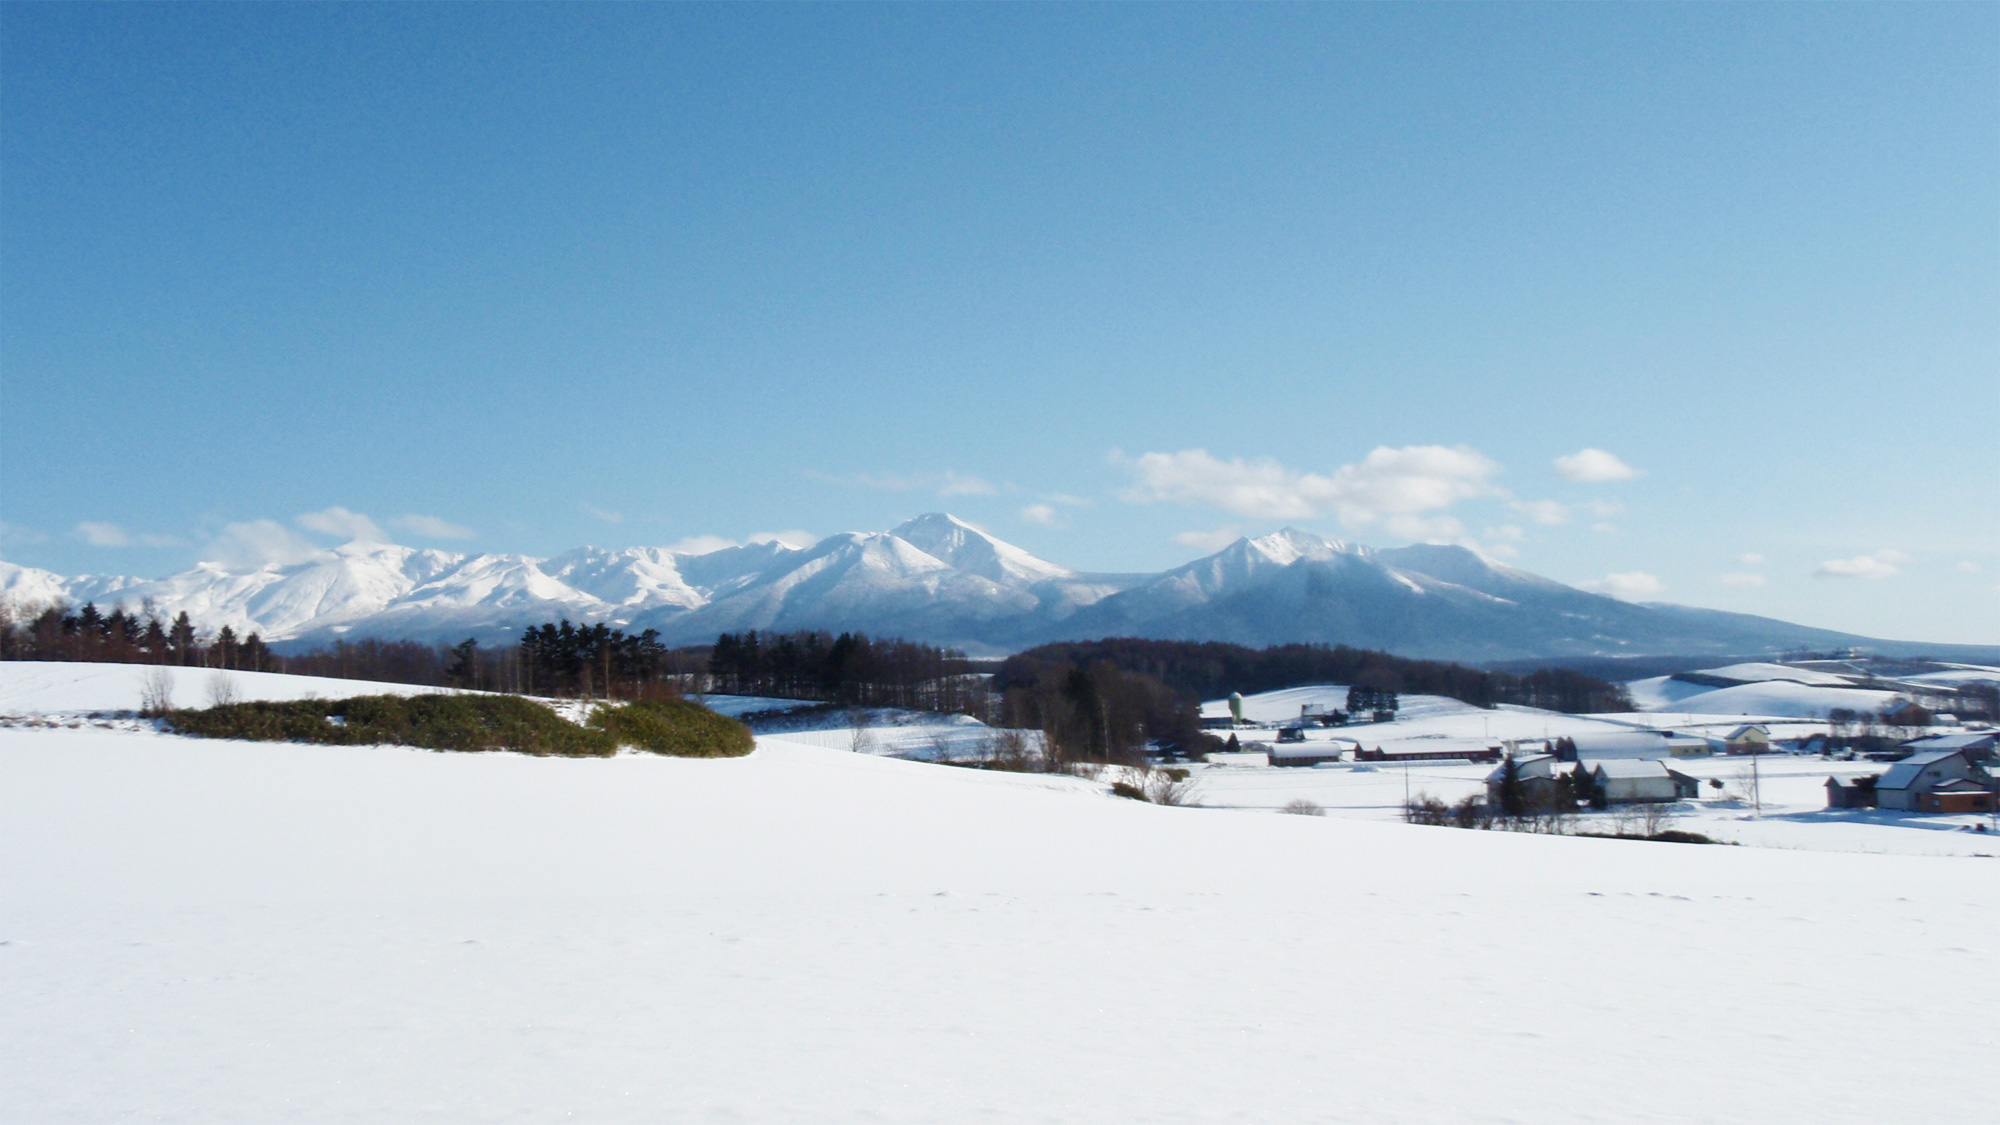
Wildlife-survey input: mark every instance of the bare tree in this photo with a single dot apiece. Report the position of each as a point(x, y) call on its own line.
point(1625, 819)
point(861, 741)
point(1169, 787)
point(156, 692)
point(1750, 785)
point(1299, 806)
point(1658, 816)
point(221, 690)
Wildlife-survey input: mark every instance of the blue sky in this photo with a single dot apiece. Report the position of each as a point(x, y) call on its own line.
point(1113, 282)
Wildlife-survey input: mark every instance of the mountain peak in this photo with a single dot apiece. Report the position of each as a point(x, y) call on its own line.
point(1288, 545)
point(953, 541)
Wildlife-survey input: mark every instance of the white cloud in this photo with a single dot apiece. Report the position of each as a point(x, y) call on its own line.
point(701, 545)
point(793, 538)
point(1594, 466)
point(1967, 566)
point(103, 534)
point(1209, 540)
point(111, 535)
point(343, 524)
point(1880, 565)
point(1605, 528)
point(1546, 512)
point(1629, 586)
point(1750, 558)
point(1743, 579)
point(1605, 509)
point(260, 543)
point(601, 514)
point(1043, 514)
point(1408, 482)
point(433, 527)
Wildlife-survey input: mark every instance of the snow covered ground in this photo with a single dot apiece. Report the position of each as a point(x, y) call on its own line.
point(1771, 698)
point(226, 932)
point(63, 688)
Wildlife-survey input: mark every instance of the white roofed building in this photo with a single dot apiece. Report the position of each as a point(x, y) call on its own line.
point(1625, 781)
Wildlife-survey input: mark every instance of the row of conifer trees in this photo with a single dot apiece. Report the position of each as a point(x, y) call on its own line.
point(142, 637)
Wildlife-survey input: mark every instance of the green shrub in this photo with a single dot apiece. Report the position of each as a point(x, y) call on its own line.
point(432, 722)
point(674, 726)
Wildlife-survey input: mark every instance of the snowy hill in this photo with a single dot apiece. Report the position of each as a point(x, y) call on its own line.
point(939, 579)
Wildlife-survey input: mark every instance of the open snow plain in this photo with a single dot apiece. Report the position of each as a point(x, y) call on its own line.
point(230, 932)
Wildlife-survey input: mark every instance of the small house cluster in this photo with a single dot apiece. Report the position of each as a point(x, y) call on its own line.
point(1947, 773)
point(1539, 779)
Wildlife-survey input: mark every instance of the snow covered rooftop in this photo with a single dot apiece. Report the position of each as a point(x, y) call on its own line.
point(1904, 773)
point(1624, 768)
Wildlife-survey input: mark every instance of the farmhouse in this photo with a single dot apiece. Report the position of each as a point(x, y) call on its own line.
point(1687, 746)
point(1906, 714)
point(1858, 793)
point(1470, 754)
point(1619, 744)
point(1908, 783)
point(1962, 796)
point(1309, 753)
point(1979, 746)
point(1750, 739)
point(1534, 774)
point(1625, 781)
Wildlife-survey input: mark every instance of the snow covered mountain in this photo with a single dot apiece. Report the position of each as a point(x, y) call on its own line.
point(939, 579)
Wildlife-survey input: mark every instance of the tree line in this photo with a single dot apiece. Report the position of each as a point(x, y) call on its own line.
point(1210, 669)
point(62, 632)
point(1098, 711)
point(550, 659)
point(851, 668)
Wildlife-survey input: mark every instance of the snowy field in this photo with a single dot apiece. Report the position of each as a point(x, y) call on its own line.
point(227, 932)
point(45, 687)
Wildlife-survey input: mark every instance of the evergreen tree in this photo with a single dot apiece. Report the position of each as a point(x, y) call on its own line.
point(463, 669)
point(181, 640)
point(1512, 801)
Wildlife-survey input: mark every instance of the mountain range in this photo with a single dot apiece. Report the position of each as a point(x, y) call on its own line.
point(939, 579)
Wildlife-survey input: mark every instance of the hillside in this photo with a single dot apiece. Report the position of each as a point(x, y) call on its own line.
point(938, 579)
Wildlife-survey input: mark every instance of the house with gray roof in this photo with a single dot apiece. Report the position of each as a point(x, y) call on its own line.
point(1594, 745)
point(1908, 784)
point(1980, 745)
point(1535, 774)
point(1625, 781)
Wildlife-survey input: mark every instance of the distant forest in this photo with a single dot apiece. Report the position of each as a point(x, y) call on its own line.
point(1210, 670)
point(850, 668)
point(562, 658)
